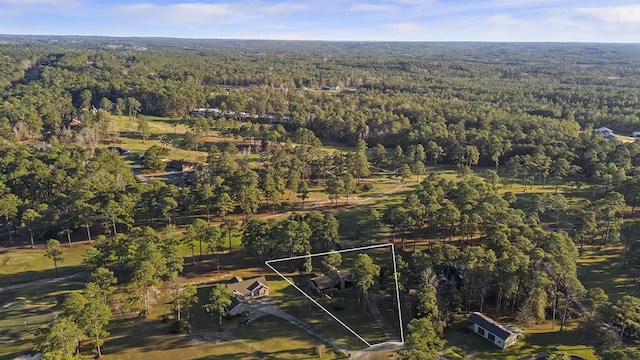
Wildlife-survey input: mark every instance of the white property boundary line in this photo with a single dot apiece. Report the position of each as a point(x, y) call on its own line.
point(395, 273)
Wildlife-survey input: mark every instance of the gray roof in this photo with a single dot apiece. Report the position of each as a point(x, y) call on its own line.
point(490, 325)
point(246, 286)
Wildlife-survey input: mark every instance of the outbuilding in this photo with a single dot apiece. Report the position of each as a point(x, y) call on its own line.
point(501, 336)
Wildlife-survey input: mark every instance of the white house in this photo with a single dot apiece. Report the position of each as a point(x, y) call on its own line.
point(635, 134)
point(605, 132)
point(501, 336)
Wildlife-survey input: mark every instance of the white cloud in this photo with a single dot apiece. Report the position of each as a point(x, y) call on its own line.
point(180, 13)
point(406, 27)
point(41, 2)
point(190, 13)
point(371, 8)
point(504, 19)
point(27, 5)
point(614, 14)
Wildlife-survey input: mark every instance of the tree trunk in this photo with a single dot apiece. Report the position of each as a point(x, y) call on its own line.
point(624, 325)
point(555, 303)
point(98, 346)
point(55, 264)
point(364, 303)
point(229, 231)
point(606, 238)
point(88, 232)
point(31, 236)
point(115, 231)
point(69, 237)
point(9, 231)
point(564, 312)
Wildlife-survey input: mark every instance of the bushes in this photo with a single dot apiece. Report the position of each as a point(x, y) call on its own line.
point(179, 327)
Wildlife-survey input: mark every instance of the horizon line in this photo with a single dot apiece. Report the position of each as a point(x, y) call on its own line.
point(317, 40)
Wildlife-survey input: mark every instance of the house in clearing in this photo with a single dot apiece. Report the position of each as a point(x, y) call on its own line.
point(180, 165)
point(245, 291)
point(499, 335)
point(635, 134)
point(605, 132)
point(325, 283)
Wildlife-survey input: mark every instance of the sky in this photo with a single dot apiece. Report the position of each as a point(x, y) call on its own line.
point(615, 21)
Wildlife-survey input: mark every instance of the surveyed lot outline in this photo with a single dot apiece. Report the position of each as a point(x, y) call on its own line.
point(395, 276)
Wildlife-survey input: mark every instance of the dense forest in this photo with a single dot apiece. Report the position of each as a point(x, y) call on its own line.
point(506, 117)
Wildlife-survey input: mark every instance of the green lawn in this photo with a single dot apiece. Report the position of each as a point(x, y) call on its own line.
point(603, 268)
point(536, 340)
point(265, 338)
point(344, 306)
point(23, 311)
point(23, 265)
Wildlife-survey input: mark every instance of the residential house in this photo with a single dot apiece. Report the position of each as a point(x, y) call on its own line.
point(245, 291)
point(180, 165)
point(331, 87)
point(635, 134)
point(325, 283)
point(605, 132)
point(499, 335)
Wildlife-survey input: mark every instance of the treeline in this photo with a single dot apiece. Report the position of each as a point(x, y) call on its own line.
point(404, 93)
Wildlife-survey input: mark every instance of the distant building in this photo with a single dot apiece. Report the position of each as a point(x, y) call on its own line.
point(180, 165)
point(205, 112)
point(325, 283)
point(499, 335)
point(605, 132)
point(331, 87)
point(635, 134)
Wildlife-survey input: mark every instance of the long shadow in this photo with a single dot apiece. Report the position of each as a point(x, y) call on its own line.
point(33, 275)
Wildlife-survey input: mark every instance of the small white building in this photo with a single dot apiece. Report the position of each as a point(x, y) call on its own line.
point(635, 134)
point(501, 336)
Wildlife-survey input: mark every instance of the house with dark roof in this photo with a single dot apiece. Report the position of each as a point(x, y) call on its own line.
point(180, 165)
point(245, 291)
point(326, 283)
point(499, 335)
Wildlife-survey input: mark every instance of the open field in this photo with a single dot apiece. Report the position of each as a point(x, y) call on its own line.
point(23, 311)
point(24, 265)
point(603, 268)
point(536, 340)
point(271, 337)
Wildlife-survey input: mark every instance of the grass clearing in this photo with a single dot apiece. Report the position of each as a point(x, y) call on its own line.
point(603, 267)
point(344, 306)
point(23, 311)
point(24, 265)
point(265, 338)
point(537, 339)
